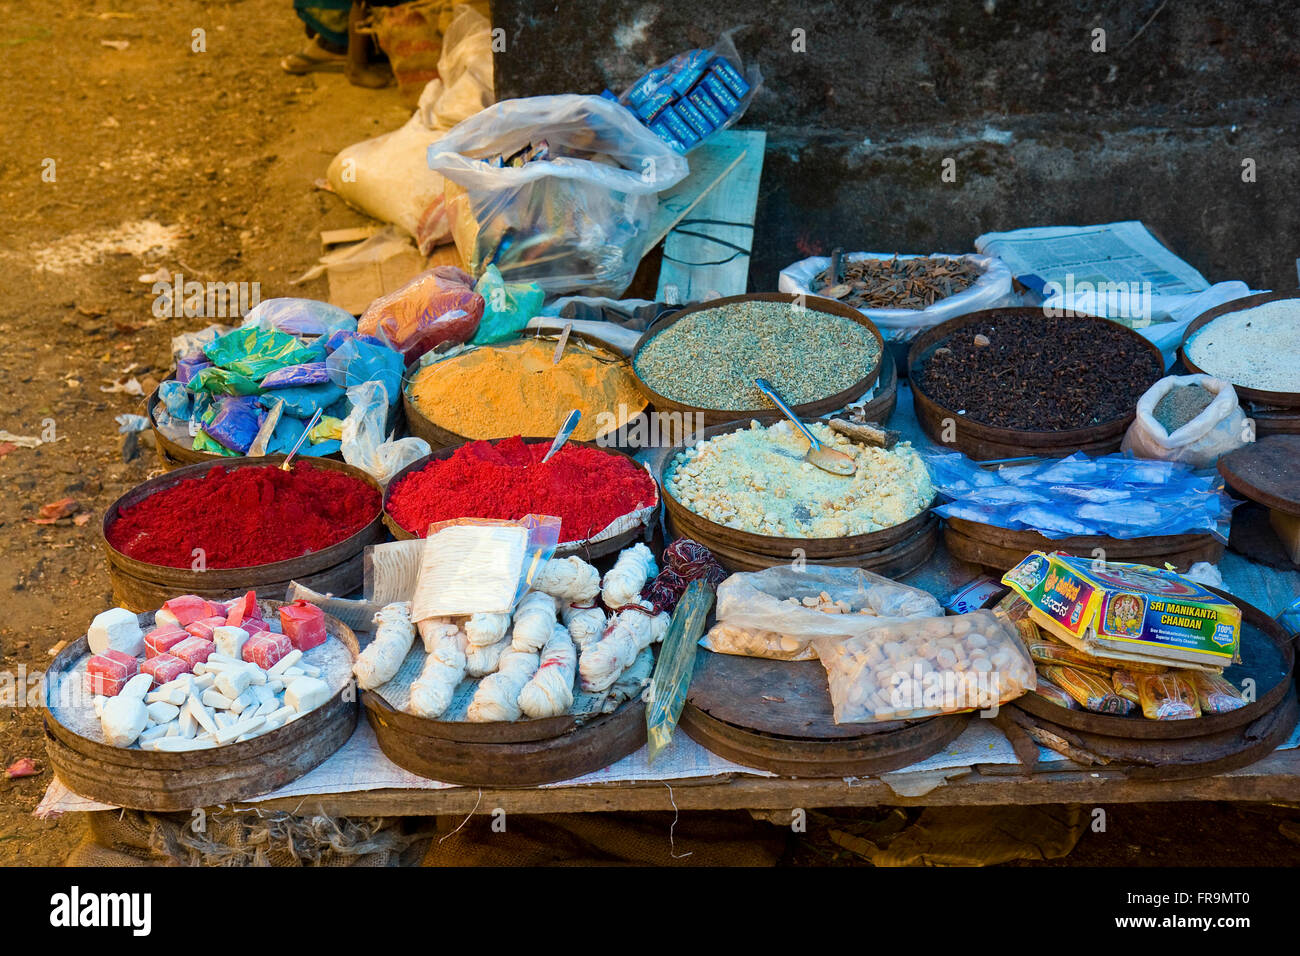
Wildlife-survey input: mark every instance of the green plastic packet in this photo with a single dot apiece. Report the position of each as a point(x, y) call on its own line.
point(205, 442)
point(256, 352)
point(507, 306)
point(676, 665)
point(220, 381)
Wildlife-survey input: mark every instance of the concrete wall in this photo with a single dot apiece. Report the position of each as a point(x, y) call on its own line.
point(1044, 131)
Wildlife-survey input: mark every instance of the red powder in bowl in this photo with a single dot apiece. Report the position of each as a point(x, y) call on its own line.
point(243, 517)
point(585, 488)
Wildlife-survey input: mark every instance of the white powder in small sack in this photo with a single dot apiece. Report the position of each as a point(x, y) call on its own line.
point(1254, 348)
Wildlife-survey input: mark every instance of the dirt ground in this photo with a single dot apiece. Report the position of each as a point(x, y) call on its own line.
point(126, 151)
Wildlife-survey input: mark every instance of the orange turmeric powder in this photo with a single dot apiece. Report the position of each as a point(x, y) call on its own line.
point(515, 389)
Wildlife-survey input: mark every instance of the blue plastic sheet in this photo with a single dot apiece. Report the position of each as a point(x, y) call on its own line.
point(1114, 495)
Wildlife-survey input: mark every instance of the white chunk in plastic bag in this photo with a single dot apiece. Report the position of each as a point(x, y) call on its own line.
point(909, 669)
point(756, 618)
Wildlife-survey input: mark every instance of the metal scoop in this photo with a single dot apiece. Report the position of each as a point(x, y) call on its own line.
point(566, 430)
point(827, 459)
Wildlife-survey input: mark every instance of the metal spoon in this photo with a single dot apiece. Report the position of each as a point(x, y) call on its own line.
point(284, 465)
point(566, 430)
point(827, 459)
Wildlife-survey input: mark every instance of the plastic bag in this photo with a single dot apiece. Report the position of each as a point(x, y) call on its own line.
point(901, 670)
point(507, 306)
point(480, 565)
point(219, 381)
point(437, 307)
point(990, 291)
point(365, 431)
point(687, 99)
point(1217, 430)
point(176, 398)
point(1214, 694)
point(299, 317)
point(579, 221)
point(255, 352)
point(302, 401)
point(756, 618)
point(312, 373)
point(387, 177)
point(285, 435)
point(191, 365)
point(1167, 697)
point(1090, 690)
point(1114, 495)
point(235, 423)
point(336, 339)
point(357, 361)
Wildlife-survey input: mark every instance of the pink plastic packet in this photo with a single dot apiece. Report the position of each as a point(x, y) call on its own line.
point(435, 308)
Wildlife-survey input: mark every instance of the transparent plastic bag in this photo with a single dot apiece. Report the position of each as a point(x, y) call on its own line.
point(1217, 430)
point(990, 291)
point(757, 619)
point(908, 669)
point(688, 98)
point(577, 222)
point(1114, 495)
point(357, 360)
point(438, 307)
point(481, 565)
point(299, 317)
point(255, 352)
point(365, 444)
point(390, 571)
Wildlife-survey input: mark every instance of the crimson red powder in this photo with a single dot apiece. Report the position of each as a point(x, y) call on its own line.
point(245, 516)
point(585, 488)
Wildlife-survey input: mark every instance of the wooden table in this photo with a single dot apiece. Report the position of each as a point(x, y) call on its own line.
point(1275, 779)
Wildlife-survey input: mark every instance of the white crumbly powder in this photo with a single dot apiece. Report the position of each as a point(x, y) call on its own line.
point(1255, 348)
point(755, 480)
point(74, 708)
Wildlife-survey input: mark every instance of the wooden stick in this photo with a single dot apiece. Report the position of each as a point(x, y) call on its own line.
point(865, 433)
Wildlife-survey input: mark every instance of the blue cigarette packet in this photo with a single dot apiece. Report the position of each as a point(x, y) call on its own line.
point(722, 95)
point(705, 104)
point(729, 75)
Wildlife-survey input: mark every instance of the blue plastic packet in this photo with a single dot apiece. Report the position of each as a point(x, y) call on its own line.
point(730, 76)
point(727, 101)
point(335, 339)
point(321, 449)
point(701, 100)
point(176, 398)
point(356, 361)
point(302, 401)
point(310, 373)
point(236, 422)
point(287, 432)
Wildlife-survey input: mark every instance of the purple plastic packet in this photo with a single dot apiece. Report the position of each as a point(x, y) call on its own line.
point(190, 366)
point(340, 336)
point(309, 373)
point(236, 422)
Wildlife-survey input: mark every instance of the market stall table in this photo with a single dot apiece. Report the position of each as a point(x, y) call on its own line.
point(979, 768)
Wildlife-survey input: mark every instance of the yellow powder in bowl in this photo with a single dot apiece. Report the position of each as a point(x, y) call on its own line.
point(516, 389)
